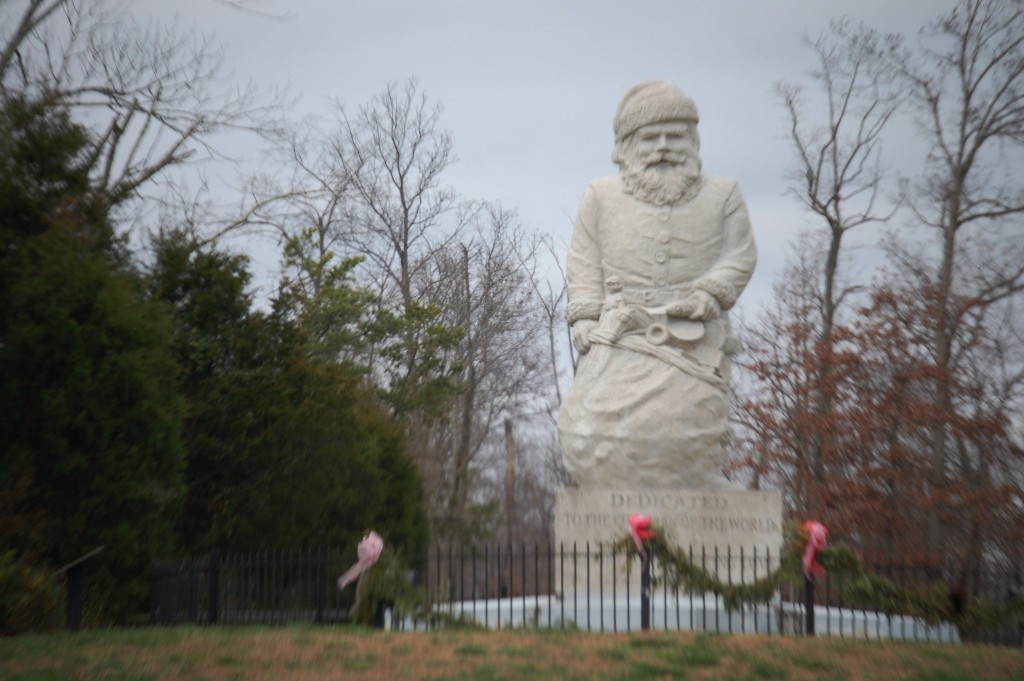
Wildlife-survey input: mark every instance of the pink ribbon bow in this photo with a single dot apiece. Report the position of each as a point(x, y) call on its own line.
point(369, 551)
point(817, 534)
point(640, 530)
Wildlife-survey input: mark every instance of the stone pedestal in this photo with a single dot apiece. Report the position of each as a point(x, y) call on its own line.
point(735, 534)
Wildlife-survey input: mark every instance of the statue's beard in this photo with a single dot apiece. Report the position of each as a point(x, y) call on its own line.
point(662, 178)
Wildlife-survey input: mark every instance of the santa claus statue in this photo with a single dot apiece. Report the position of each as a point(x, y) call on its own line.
point(659, 254)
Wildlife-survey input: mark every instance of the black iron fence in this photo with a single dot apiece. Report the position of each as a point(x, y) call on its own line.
point(256, 587)
point(583, 588)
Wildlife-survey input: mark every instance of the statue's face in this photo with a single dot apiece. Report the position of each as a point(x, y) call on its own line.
point(660, 162)
point(663, 145)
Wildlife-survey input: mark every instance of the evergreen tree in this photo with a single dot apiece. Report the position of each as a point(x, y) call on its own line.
point(286, 445)
point(89, 418)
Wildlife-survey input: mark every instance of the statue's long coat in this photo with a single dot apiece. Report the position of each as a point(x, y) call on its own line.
point(639, 414)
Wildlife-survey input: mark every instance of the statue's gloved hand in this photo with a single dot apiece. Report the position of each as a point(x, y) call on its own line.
point(581, 334)
point(698, 305)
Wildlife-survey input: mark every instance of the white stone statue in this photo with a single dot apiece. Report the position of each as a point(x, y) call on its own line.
point(659, 254)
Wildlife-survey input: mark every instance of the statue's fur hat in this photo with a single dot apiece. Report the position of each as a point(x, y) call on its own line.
point(652, 101)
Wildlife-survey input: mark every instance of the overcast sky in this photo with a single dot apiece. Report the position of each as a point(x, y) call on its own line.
point(529, 87)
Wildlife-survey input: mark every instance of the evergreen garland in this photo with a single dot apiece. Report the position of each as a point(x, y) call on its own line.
point(932, 603)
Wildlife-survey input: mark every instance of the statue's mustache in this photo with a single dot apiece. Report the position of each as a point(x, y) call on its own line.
point(666, 157)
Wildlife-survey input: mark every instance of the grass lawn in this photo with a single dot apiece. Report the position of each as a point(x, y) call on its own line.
point(303, 652)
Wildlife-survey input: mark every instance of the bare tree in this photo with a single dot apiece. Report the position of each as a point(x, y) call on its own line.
point(839, 172)
point(965, 84)
point(775, 413)
point(485, 286)
point(552, 293)
point(839, 175)
point(33, 16)
point(309, 188)
point(459, 343)
point(922, 378)
point(150, 94)
point(395, 152)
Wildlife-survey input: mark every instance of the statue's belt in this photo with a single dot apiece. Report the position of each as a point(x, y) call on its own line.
point(648, 296)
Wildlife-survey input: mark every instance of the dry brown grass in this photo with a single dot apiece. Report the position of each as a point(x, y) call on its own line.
point(302, 653)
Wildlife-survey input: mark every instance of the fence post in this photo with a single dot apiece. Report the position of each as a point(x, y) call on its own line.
point(319, 588)
point(214, 601)
point(645, 592)
point(808, 606)
point(156, 589)
point(73, 605)
point(74, 602)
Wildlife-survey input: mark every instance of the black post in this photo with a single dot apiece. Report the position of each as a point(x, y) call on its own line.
point(74, 603)
point(808, 606)
point(214, 586)
point(645, 592)
point(319, 588)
